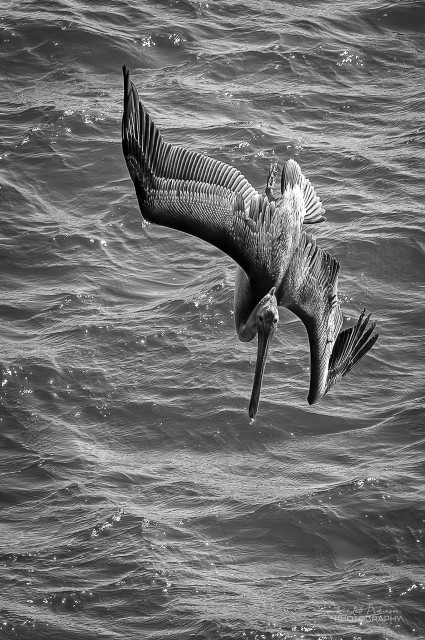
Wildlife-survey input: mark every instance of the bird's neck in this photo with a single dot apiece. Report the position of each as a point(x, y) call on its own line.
point(248, 330)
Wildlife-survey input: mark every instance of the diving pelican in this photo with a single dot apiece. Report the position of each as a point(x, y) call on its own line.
point(279, 264)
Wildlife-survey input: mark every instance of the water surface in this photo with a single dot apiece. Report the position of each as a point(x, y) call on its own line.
point(137, 500)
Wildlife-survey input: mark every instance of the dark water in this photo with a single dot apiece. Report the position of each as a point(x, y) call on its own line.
point(137, 500)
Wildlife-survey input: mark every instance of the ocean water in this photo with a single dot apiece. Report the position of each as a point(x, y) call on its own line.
point(137, 500)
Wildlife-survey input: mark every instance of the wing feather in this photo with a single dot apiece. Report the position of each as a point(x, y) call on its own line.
point(309, 289)
point(189, 191)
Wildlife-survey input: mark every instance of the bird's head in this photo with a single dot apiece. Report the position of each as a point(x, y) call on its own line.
point(268, 313)
point(267, 319)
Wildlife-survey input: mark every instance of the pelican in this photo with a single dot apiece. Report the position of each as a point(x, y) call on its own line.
point(279, 264)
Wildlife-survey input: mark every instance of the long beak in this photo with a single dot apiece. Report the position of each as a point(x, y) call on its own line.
point(264, 336)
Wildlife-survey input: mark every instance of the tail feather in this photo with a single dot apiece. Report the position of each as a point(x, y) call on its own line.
point(350, 347)
point(292, 176)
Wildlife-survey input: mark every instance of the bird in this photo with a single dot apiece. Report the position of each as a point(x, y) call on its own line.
point(279, 264)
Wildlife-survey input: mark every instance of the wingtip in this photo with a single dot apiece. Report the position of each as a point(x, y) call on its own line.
point(127, 79)
point(126, 74)
point(350, 347)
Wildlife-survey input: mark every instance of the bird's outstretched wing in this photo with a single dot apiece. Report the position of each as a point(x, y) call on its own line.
point(192, 192)
point(309, 289)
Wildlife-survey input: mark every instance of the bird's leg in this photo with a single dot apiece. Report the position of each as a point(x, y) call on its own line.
point(271, 180)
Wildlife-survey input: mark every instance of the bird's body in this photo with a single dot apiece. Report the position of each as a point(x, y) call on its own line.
point(279, 264)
